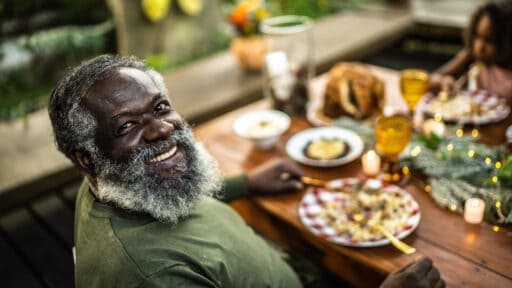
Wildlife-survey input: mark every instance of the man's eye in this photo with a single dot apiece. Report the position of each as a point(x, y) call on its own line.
point(125, 127)
point(162, 107)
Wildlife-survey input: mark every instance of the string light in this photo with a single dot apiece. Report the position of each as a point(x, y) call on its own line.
point(405, 170)
point(496, 228)
point(488, 160)
point(453, 207)
point(428, 188)
point(494, 179)
point(474, 132)
point(459, 132)
point(471, 153)
point(498, 165)
point(438, 117)
point(415, 151)
point(449, 147)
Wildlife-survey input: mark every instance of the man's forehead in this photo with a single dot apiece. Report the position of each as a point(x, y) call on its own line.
point(124, 87)
point(136, 74)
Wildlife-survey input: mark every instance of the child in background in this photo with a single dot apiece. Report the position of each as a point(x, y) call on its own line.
point(487, 55)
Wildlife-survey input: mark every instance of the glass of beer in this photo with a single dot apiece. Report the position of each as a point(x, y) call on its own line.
point(392, 134)
point(413, 85)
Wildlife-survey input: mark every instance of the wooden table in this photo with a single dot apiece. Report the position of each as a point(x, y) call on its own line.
point(467, 255)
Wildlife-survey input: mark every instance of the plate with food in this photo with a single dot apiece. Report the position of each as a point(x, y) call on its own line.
point(346, 218)
point(480, 107)
point(325, 146)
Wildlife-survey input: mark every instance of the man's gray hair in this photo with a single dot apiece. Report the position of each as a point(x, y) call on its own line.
point(73, 125)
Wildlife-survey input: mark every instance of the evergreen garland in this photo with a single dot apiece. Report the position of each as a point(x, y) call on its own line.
point(457, 169)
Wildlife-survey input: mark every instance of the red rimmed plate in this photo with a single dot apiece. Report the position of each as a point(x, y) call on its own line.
point(314, 202)
point(492, 108)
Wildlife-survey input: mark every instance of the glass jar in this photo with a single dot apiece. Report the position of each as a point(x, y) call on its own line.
point(288, 65)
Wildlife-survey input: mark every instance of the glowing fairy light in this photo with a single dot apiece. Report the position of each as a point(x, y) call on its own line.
point(449, 147)
point(475, 132)
point(415, 151)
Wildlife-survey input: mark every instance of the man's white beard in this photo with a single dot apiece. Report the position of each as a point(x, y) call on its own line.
point(167, 200)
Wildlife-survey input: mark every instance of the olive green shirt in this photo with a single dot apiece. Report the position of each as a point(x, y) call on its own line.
point(212, 247)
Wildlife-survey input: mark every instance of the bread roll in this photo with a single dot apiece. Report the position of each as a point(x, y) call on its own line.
point(352, 90)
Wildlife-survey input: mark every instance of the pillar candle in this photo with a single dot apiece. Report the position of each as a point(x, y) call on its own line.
point(474, 210)
point(371, 163)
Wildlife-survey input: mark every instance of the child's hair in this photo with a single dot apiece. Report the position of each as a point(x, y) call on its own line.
point(500, 15)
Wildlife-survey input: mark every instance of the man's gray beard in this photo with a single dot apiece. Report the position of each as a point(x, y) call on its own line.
point(130, 186)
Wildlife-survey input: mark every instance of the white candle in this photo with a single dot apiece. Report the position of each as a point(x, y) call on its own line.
point(432, 125)
point(474, 210)
point(371, 163)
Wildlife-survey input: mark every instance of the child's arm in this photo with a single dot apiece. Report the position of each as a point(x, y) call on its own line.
point(443, 78)
point(457, 65)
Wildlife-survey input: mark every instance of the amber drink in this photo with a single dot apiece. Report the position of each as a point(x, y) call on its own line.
point(392, 135)
point(413, 85)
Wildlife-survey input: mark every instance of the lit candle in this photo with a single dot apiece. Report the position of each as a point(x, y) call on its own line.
point(474, 210)
point(437, 127)
point(371, 163)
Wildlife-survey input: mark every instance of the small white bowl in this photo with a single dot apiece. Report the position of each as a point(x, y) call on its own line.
point(263, 127)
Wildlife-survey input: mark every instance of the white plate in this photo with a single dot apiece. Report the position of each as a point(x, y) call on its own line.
point(295, 146)
point(314, 201)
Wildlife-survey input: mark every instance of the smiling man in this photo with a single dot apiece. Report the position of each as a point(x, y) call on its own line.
point(148, 212)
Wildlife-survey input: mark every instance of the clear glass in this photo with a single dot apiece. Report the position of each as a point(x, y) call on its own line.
point(288, 65)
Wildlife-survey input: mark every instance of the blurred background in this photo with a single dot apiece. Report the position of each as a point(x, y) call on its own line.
point(41, 38)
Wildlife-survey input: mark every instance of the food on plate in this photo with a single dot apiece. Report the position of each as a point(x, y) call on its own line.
point(262, 129)
point(352, 90)
point(326, 149)
point(464, 105)
point(354, 217)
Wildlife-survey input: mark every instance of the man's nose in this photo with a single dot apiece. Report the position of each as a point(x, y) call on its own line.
point(157, 129)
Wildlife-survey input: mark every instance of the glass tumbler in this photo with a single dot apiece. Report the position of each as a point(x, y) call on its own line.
point(288, 65)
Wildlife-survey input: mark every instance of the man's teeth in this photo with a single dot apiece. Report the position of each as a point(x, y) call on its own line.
point(165, 155)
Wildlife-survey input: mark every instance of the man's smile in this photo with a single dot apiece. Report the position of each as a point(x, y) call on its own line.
point(162, 162)
point(165, 155)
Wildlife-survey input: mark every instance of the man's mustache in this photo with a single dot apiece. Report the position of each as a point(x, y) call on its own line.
point(146, 152)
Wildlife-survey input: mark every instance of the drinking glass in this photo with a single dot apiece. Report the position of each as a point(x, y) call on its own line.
point(392, 134)
point(288, 65)
point(413, 85)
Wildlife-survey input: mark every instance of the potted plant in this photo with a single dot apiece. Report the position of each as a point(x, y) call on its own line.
point(249, 47)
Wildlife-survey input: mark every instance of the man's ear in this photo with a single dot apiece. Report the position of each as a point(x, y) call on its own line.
point(83, 158)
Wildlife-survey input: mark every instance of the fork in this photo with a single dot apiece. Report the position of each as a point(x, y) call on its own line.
point(400, 245)
point(323, 184)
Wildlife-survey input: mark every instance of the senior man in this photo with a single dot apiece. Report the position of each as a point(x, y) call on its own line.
point(147, 213)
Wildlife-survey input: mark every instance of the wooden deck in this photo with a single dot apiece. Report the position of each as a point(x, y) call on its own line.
point(36, 240)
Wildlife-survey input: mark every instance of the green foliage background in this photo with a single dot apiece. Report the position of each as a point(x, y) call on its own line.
point(59, 34)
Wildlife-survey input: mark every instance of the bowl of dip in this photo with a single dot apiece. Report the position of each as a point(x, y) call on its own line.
point(263, 127)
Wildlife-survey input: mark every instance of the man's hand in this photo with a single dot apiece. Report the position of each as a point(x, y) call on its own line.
point(275, 176)
point(420, 273)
